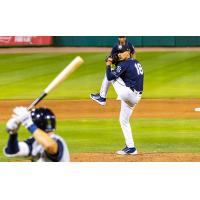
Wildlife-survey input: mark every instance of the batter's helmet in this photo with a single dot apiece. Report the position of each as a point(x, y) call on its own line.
point(44, 119)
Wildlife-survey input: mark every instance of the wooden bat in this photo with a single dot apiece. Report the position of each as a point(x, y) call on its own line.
point(197, 109)
point(69, 69)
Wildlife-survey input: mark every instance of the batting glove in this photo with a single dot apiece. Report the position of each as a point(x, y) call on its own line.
point(12, 126)
point(24, 116)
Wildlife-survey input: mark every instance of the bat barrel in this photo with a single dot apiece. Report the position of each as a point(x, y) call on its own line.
point(64, 74)
point(61, 77)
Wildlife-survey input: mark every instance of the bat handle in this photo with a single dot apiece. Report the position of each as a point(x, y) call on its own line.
point(37, 101)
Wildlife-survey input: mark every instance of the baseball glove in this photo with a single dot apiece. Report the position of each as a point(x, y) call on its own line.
point(114, 58)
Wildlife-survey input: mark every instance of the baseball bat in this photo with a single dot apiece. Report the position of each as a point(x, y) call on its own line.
point(69, 69)
point(197, 109)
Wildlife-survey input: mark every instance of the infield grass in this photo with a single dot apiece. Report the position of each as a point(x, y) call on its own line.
point(167, 75)
point(104, 135)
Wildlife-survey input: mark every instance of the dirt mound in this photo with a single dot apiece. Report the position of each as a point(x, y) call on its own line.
point(142, 157)
point(74, 109)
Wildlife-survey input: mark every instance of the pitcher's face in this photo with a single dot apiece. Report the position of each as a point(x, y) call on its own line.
point(124, 56)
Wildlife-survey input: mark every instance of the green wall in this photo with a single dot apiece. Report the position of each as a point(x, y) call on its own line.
point(150, 41)
point(138, 41)
point(187, 41)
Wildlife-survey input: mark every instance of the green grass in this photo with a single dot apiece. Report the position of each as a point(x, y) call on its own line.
point(104, 135)
point(167, 75)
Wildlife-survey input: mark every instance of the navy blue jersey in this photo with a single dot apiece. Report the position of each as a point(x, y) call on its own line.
point(117, 48)
point(130, 71)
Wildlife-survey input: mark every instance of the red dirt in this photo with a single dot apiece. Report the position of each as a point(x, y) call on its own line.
point(147, 108)
point(142, 157)
point(90, 49)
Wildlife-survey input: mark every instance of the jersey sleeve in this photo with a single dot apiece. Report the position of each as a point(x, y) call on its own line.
point(23, 150)
point(56, 157)
point(29, 143)
point(114, 74)
point(15, 148)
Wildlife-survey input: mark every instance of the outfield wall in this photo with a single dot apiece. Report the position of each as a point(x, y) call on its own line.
point(99, 41)
point(138, 41)
point(25, 40)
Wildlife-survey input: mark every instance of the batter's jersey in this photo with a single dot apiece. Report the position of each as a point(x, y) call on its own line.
point(36, 151)
point(130, 71)
point(117, 48)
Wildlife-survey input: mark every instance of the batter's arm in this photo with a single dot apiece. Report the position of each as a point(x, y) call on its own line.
point(15, 148)
point(49, 144)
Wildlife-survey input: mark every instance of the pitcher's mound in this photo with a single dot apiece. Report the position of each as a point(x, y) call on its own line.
point(141, 157)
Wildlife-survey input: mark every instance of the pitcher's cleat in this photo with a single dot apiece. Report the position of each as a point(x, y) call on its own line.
point(128, 151)
point(100, 100)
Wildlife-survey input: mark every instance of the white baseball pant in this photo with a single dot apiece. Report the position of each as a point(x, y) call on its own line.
point(104, 87)
point(129, 100)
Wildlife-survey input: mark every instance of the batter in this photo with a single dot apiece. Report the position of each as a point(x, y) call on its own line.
point(44, 145)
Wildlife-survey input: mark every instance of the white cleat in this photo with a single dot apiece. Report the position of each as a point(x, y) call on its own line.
point(127, 151)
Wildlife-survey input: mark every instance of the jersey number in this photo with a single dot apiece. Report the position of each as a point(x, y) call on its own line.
point(139, 68)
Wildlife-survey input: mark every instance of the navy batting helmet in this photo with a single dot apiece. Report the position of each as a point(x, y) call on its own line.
point(44, 119)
